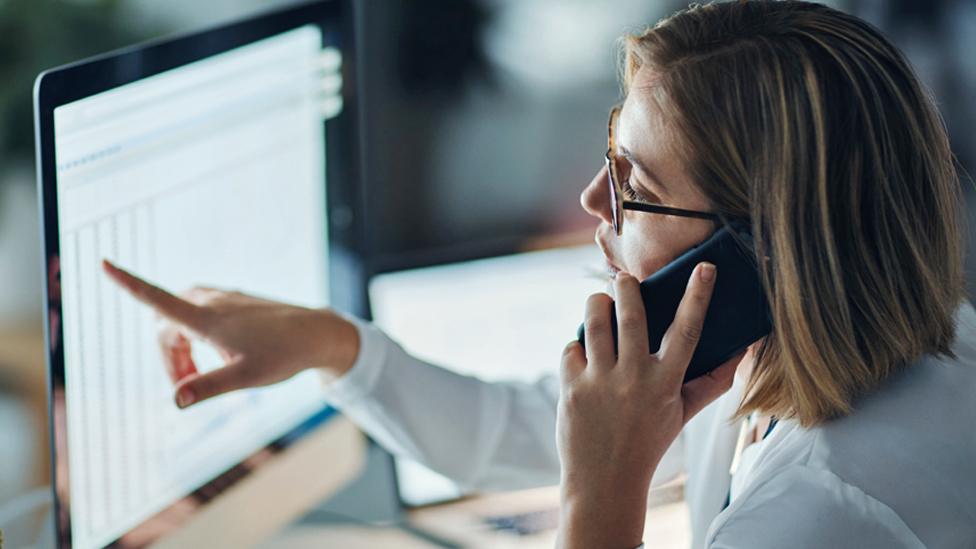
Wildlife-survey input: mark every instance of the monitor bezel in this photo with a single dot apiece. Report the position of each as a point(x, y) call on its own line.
point(347, 270)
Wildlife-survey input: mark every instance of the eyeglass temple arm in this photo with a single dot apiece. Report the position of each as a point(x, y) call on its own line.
point(652, 208)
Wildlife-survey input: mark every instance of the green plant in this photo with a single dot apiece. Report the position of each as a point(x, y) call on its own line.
point(40, 34)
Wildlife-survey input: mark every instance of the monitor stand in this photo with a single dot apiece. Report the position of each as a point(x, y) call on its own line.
point(279, 492)
point(364, 513)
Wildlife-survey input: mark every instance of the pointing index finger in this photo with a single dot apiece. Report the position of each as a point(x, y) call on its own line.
point(165, 303)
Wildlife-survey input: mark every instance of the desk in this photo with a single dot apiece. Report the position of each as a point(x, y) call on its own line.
point(461, 522)
point(23, 372)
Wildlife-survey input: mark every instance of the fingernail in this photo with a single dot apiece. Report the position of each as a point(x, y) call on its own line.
point(706, 272)
point(185, 397)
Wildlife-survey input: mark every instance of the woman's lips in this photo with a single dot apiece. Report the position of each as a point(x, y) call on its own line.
point(612, 271)
point(612, 268)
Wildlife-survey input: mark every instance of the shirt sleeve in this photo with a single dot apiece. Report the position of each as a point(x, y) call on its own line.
point(483, 435)
point(806, 508)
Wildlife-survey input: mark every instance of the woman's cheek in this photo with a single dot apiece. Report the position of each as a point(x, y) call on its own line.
point(649, 261)
point(647, 255)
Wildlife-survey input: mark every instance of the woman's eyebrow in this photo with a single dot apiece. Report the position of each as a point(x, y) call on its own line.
point(634, 161)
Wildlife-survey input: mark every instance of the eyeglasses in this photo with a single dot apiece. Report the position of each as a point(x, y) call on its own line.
point(618, 205)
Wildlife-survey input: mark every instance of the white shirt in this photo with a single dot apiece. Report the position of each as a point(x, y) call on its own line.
point(900, 472)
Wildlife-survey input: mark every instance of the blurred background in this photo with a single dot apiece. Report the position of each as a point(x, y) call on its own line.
point(486, 118)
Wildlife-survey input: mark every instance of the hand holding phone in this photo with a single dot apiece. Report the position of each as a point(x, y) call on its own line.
point(738, 314)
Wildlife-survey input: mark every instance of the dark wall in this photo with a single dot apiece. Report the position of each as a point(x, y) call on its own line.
point(463, 158)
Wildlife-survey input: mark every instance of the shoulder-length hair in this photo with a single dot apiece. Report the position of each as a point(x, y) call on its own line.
point(810, 123)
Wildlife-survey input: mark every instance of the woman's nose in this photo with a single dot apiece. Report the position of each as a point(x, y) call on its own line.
point(595, 198)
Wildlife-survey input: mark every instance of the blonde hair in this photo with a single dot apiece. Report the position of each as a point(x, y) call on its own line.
point(810, 123)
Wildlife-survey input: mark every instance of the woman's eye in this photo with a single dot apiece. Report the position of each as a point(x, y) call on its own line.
point(629, 191)
point(632, 193)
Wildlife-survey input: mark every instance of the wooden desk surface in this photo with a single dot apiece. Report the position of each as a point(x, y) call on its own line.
point(667, 524)
point(462, 522)
point(23, 372)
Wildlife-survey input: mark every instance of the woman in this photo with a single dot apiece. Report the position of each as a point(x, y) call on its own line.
point(809, 124)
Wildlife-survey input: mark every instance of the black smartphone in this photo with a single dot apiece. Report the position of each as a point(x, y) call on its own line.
point(738, 313)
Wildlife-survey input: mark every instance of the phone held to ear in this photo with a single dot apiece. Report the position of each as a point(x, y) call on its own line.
point(738, 313)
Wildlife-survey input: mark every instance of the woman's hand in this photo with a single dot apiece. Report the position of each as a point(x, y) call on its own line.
point(619, 414)
point(261, 341)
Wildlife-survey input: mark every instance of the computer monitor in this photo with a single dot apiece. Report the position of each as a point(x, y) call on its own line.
point(226, 158)
point(527, 308)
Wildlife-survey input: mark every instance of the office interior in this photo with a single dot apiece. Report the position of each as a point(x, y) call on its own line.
point(482, 121)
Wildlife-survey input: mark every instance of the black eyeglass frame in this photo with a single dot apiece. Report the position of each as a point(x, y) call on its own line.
point(616, 198)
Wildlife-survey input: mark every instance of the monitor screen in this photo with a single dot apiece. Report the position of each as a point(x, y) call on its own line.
point(213, 173)
point(527, 307)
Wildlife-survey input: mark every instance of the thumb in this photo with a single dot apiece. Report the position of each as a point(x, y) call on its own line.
point(700, 392)
point(197, 388)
